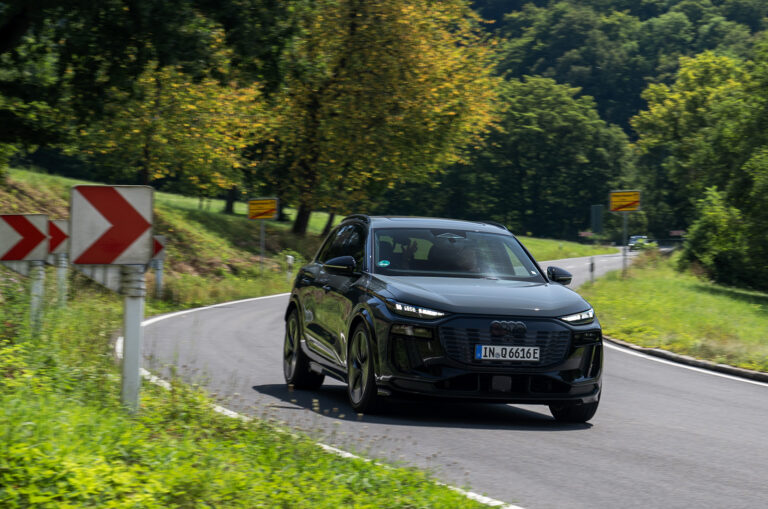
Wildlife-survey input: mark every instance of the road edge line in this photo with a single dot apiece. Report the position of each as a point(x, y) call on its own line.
point(686, 361)
point(491, 502)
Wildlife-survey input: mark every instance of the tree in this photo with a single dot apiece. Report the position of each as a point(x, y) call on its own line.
point(539, 172)
point(694, 136)
point(173, 132)
point(82, 52)
point(379, 92)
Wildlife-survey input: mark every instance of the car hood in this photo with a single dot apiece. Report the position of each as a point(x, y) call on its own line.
point(484, 296)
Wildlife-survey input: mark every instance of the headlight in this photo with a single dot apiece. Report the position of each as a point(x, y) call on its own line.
point(415, 311)
point(582, 318)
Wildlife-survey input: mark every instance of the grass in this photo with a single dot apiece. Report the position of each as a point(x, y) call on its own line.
point(659, 307)
point(65, 440)
point(547, 249)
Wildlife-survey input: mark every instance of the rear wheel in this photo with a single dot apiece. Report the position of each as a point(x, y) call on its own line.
point(295, 362)
point(574, 412)
point(361, 385)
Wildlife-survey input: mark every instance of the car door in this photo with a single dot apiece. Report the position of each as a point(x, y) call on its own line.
point(310, 282)
point(338, 290)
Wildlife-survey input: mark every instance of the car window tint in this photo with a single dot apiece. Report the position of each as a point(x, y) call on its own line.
point(348, 241)
point(322, 254)
point(426, 252)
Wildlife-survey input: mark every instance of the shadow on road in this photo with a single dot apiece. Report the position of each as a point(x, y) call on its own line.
point(331, 402)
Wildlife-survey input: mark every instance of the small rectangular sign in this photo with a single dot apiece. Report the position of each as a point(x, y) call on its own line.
point(23, 237)
point(262, 208)
point(624, 201)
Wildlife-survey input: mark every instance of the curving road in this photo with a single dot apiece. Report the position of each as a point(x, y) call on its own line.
point(664, 436)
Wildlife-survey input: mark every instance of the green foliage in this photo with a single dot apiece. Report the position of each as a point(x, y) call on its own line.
point(65, 441)
point(613, 49)
point(708, 130)
point(551, 157)
point(716, 240)
point(657, 306)
point(378, 93)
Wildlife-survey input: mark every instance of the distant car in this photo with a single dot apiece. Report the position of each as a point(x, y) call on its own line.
point(637, 242)
point(445, 309)
point(634, 240)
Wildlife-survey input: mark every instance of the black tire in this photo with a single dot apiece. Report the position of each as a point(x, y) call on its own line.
point(361, 383)
point(295, 362)
point(573, 412)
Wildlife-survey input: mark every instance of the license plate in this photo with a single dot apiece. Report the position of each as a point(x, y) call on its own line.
point(506, 353)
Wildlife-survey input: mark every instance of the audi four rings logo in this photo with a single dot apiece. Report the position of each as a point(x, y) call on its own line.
point(516, 329)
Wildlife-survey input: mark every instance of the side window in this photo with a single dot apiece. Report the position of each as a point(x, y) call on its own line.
point(348, 240)
point(323, 254)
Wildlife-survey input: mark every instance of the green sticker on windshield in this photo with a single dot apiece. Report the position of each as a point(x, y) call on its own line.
point(384, 263)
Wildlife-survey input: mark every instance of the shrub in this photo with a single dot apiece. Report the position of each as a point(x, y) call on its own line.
point(716, 240)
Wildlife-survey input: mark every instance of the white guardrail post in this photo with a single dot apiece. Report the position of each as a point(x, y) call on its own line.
point(61, 278)
point(37, 275)
point(134, 291)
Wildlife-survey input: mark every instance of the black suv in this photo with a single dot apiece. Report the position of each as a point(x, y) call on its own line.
point(442, 308)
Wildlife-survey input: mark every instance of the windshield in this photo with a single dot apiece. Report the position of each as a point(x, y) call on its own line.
point(451, 253)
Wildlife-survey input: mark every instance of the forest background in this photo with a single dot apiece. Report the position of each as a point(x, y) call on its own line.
point(523, 112)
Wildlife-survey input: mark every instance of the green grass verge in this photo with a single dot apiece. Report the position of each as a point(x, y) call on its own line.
point(65, 441)
point(547, 249)
point(657, 306)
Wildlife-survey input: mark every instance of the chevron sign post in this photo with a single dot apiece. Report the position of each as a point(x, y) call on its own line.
point(58, 245)
point(112, 226)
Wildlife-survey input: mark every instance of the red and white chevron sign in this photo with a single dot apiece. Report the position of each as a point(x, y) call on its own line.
point(111, 225)
point(23, 236)
point(58, 233)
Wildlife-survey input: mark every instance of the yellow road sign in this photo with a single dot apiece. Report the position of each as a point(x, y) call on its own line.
point(262, 208)
point(625, 201)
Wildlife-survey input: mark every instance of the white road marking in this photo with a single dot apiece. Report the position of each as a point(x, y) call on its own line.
point(230, 413)
point(684, 366)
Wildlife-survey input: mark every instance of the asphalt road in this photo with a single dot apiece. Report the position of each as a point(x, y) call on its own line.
point(664, 436)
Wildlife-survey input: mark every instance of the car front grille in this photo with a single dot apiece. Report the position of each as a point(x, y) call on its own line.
point(459, 344)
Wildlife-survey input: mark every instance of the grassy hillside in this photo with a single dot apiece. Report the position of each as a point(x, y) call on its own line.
point(206, 242)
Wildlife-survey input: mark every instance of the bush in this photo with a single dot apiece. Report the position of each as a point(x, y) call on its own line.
point(716, 241)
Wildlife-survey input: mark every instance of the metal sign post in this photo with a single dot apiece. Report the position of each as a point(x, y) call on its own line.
point(624, 202)
point(158, 260)
point(112, 226)
point(134, 291)
point(624, 245)
point(58, 245)
point(262, 208)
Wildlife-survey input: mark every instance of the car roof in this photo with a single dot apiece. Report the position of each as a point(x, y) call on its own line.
point(430, 222)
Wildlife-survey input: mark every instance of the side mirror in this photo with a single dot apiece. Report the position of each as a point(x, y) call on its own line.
point(559, 275)
point(340, 265)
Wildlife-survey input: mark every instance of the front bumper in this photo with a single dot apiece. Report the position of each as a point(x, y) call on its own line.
point(569, 370)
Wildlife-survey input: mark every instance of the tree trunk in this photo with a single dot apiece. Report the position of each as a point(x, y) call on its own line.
point(229, 205)
point(329, 223)
point(302, 220)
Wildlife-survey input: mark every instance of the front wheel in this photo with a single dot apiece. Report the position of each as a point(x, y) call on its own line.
point(295, 362)
point(361, 385)
point(573, 412)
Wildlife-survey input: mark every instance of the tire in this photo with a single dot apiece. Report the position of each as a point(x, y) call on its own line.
point(295, 361)
point(361, 383)
point(573, 412)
